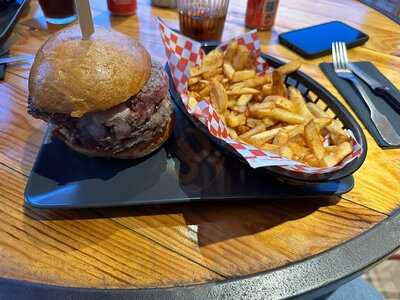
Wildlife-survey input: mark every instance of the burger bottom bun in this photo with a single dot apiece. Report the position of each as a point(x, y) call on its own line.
point(138, 151)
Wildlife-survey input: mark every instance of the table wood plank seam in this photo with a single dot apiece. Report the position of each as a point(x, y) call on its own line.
point(386, 55)
point(225, 276)
point(12, 169)
point(79, 259)
point(32, 213)
point(9, 70)
point(228, 277)
point(363, 205)
point(164, 246)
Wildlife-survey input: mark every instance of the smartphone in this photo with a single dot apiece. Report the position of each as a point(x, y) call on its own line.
point(316, 41)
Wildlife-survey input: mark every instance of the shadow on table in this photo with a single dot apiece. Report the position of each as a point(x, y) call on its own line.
point(212, 221)
point(215, 221)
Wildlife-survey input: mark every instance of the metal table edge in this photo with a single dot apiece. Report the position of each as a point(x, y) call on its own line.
point(304, 279)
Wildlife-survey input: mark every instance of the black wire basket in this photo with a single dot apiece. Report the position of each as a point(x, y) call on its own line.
point(312, 91)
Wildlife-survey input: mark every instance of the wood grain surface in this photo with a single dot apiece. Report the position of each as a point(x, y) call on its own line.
point(82, 248)
point(174, 245)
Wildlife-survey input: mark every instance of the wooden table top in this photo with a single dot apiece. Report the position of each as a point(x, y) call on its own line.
point(175, 245)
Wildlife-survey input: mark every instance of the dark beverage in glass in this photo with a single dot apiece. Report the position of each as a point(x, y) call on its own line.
point(202, 20)
point(58, 11)
point(201, 26)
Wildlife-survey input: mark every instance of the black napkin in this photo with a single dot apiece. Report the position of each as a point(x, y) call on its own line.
point(353, 98)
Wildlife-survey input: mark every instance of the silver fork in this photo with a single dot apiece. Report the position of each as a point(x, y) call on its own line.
point(341, 66)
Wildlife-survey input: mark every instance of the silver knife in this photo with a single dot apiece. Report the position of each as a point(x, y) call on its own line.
point(17, 58)
point(392, 96)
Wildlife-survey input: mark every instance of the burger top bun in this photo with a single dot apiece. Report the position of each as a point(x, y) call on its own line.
point(74, 76)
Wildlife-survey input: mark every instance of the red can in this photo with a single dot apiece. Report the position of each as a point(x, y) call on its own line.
point(260, 14)
point(122, 7)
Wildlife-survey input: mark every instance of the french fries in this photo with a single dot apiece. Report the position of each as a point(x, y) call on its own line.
point(282, 102)
point(239, 108)
point(229, 71)
point(258, 80)
point(268, 122)
point(193, 80)
point(241, 58)
point(263, 137)
point(213, 60)
point(281, 138)
point(267, 89)
point(243, 91)
point(211, 73)
point(257, 129)
point(285, 116)
point(316, 110)
point(260, 113)
point(230, 52)
point(205, 92)
point(233, 120)
point(286, 151)
point(243, 75)
point(299, 151)
point(218, 96)
point(196, 71)
point(299, 103)
point(253, 122)
point(260, 110)
point(289, 67)
point(314, 139)
point(337, 155)
point(337, 134)
point(232, 133)
point(323, 122)
point(278, 86)
point(242, 129)
point(244, 99)
point(299, 139)
point(311, 160)
point(192, 102)
point(271, 148)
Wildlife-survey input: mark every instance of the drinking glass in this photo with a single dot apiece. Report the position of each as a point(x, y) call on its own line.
point(202, 20)
point(58, 11)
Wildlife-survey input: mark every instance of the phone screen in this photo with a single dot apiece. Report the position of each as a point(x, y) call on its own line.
point(317, 40)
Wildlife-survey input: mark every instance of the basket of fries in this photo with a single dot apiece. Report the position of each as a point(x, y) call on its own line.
point(265, 112)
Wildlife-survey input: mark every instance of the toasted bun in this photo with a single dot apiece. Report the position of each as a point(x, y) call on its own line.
point(140, 150)
point(74, 76)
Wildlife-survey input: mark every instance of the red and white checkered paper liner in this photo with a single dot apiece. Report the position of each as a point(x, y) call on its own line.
point(183, 53)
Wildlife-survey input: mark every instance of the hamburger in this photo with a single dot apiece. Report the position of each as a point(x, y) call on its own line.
point(105, 96)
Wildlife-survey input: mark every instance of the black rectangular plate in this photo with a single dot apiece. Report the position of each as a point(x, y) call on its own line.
point(189, 167)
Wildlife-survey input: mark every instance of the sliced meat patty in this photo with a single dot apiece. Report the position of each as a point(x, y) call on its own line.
point(129, 136)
